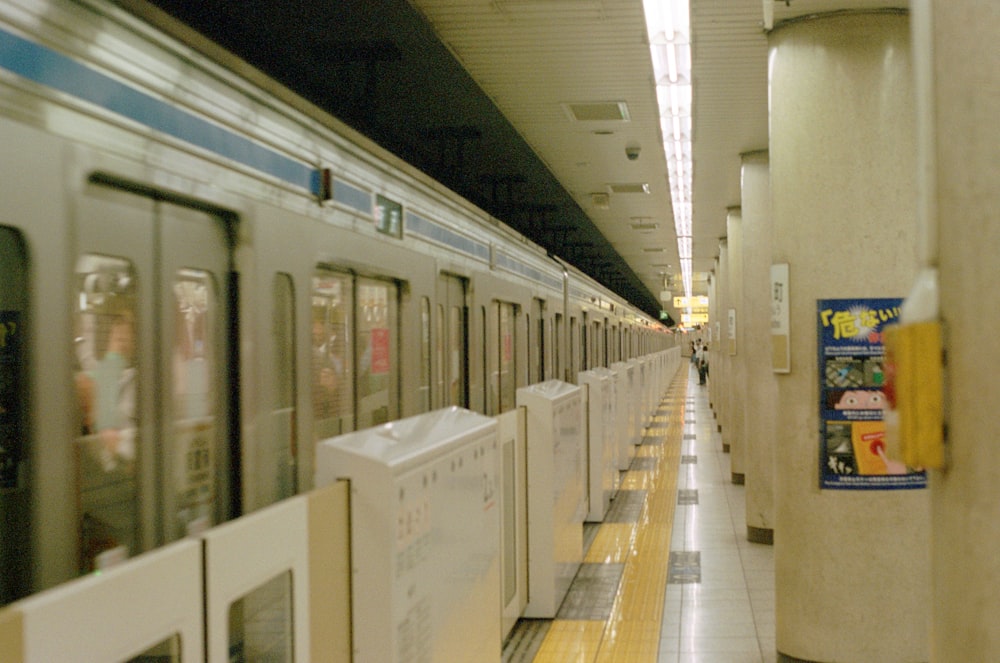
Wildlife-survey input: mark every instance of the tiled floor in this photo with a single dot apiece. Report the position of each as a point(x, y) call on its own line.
point(728, 615)
point(669, 576)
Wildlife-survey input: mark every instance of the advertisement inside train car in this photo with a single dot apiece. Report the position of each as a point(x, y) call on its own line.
point(855, 453)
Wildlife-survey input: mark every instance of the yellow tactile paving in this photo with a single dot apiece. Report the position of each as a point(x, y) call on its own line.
point(631, 642)
point(571, 642)
point(632, 632)
point(636, 480)
point(612, 544)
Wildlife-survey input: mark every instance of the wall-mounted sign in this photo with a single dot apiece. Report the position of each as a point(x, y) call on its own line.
point(731, 331)
point(853, 451)
point(781, 356)
point(388, 216)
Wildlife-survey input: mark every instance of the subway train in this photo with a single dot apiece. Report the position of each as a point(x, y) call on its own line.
point(205, 276)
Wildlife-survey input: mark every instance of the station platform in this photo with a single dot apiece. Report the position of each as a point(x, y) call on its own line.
point(668, 576)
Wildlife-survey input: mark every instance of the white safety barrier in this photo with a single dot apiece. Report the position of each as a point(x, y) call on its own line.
point(513, 519)
point(150, 606)
point(425, 536)
point(602, 451)
point(556, 492)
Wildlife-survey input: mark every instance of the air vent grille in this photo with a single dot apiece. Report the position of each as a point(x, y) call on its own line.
point(635, 187)
point(598, 111)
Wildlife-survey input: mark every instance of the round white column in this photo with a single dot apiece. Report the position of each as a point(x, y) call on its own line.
point(761, 389)
point(708, 330)
point(851, 567)
point(718, 362)
point(964, 186)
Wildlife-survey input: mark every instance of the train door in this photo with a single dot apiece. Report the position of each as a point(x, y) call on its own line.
point(276, 466)
point(155, 362)
point(332, 353)
point(453, 342)
point(426, 363)
point(559, 368)
point(536, 343)
point(378, 365)
point(572, 350)
point(597, 345)
point(501, 362)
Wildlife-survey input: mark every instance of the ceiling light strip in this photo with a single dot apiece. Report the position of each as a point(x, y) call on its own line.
point(668, 26)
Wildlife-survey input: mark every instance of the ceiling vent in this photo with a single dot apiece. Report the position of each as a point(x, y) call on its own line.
point(601, 200)
point(597, 111)
point(637, 187)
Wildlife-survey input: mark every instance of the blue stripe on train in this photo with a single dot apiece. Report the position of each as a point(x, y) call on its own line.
point(59, 72)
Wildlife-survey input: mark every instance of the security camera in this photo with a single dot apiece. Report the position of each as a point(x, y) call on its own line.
point(632, 152)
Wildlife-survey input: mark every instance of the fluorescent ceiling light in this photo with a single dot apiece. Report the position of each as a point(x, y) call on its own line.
point(668, 26)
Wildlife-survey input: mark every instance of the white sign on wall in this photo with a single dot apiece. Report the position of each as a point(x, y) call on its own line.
point(781, 357)
point(731, 331)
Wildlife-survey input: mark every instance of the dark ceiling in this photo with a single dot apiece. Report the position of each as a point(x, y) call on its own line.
point(377, 66)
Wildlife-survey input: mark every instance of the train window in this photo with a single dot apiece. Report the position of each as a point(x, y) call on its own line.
point(597, 345)
point(552, 349)
point(558, 367)
point(491, 359)
point(529, 366)
point(332, 362)
point(454, 357)
point(457, 362)
point(195, 404)
point(425, 355)
point(106, 383)
point(536, 344)
point(14, 440)
point(574, 349)
point(521, 328)
point(441, 357)
point(277, 468)
point(490, 402)
point(585, 357)
point(508, 370)
point(378, 366)
point(260, 623)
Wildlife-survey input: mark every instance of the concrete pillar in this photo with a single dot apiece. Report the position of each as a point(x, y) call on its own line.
point(718, 363)
point(708, 332)
point(761, 388)
point(851, 566)
point(962, 103)
point(734, 349)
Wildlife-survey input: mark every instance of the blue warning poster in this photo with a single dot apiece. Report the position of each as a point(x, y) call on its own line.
point(853, 445)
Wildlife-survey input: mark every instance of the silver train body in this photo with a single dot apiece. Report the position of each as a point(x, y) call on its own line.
point(203, 277)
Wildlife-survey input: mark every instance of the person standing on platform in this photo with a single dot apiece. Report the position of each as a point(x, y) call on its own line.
point(702, 364)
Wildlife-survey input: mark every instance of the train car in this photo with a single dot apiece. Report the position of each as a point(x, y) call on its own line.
point(204, 276)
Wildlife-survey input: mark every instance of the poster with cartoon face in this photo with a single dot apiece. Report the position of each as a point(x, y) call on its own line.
point(853, 450)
